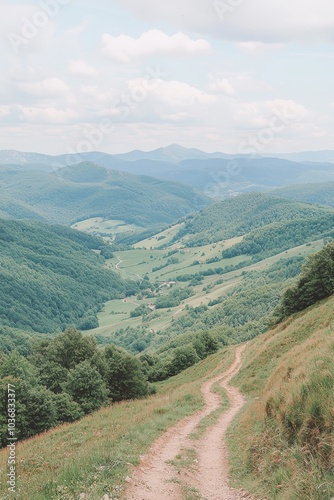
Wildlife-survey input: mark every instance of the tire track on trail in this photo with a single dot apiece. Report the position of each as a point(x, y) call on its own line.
point(154, 478)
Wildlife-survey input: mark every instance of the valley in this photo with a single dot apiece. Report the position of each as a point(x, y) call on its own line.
point(205, 290)
point(129, 312)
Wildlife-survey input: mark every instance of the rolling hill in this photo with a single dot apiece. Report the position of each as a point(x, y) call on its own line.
point(87, 190)
point(320, 193)
point(227, 266)
point(51, 278)
point(245, 213)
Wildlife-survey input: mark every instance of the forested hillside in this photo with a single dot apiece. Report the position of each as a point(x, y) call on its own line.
point(280, 236)
point(244, 213)
point(86, 190)
point(320, 193)
point(50, 277)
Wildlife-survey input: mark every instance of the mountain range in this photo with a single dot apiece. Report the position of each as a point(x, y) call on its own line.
point(87, 190)
point(218, 175)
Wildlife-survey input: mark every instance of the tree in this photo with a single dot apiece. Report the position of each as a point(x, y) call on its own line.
point(125, 377)
point(52, 375)
point(17, 366)
point(67, 410)
point(40, 409)
point(183, 358)
point(88, 322)
point(71, 347)
point(86, 386)
point(315, 283)
point(205, 344)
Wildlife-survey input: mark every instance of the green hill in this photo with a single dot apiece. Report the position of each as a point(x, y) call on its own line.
point(242, 214)
point(86, 190)
point(50, 277)
point(321, 193)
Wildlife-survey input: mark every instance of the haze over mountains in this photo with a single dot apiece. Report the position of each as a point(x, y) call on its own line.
point(87, 190)
point(216, 174)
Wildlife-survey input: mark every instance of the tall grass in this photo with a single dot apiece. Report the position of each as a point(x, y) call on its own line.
point(284, 437)
point(94, 455)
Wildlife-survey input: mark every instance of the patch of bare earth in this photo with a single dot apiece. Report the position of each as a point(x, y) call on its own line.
point(157, 479)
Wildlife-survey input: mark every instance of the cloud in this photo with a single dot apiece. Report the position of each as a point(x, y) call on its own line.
point(222, 85)
point(171, 100)
point(258, 48)
point(81, 68)
point(237, 83)
point(46, 115)
point(260, 114)
point(126, 49)
point(50, 87)
point(277, 21)
point(4, 111)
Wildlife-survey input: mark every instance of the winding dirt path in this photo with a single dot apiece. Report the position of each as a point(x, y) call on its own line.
point(156, 479)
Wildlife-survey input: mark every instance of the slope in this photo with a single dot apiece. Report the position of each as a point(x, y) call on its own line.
point(86, 190)
point(95, 455)
point(245, 213)
point(284, 437)
point(321, 193)
point(50, 277)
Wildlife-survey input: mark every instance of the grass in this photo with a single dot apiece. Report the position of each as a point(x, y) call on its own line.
point(185, 460)
point(212, 418)
point(116, 313)
point(282, 444)
point(160, 239)
point(94, 455)
point(106, 227)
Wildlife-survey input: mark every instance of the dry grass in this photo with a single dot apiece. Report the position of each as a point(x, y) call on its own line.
point(94, 455)
point(284, 437)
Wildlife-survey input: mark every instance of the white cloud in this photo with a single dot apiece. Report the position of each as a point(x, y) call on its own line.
point(258, 48)
point(47, 115)
point(81, 68)
point(222, 85)
point(234, 83)
point(170, 100)
point(126, 49)
point(49, 87)
point(76, 30)
point(4, 111)
point(275, 21)
point(260, 114)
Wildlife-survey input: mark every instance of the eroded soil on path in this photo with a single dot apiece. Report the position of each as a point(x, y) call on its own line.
point(207, 478)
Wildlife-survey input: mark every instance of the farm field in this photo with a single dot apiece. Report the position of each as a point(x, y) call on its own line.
point(160, 239)
point(163, 266)
point(106, 228)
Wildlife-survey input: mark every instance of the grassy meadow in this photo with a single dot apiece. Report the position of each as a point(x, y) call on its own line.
point(95, 455)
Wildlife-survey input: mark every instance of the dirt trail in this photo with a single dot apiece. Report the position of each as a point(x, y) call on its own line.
point(153, 479)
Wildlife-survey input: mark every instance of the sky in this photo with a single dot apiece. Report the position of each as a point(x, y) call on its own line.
point(117, 75)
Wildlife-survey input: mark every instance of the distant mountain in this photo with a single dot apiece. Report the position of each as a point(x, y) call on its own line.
point(216, 174)
point(172, 154)
point(308, 156)
point(87, 190)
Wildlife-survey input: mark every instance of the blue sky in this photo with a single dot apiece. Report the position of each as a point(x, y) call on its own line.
point(117, 75)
